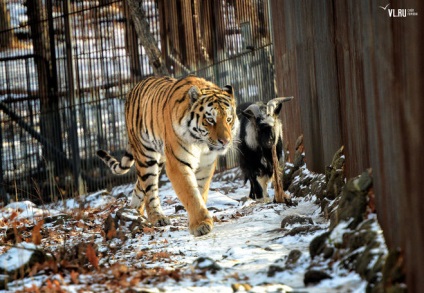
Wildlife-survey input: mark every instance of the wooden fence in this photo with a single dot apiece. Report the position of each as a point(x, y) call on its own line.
point(356, 72)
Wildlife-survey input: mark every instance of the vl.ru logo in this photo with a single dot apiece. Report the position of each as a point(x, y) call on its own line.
point(399, 12)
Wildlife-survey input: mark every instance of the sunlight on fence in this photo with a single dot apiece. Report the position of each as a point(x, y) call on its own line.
point(66, 66)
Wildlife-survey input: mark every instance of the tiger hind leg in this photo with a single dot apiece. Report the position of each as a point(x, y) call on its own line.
point(137, 199)
point(146, 192)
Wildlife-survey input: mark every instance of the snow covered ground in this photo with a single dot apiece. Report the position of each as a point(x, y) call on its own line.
point(235, 257)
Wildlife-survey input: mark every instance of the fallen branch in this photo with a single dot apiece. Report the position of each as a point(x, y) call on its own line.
point(280, 195)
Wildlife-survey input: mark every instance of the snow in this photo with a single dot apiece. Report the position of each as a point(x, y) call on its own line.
point(336, 235)
point(27, 210)
point(16, 256)
point(245, 242)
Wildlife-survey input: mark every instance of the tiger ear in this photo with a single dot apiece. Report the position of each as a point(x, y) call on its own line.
point(194, 93)
point(228, 88)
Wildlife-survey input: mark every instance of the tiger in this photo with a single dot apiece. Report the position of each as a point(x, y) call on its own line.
point(184, 124)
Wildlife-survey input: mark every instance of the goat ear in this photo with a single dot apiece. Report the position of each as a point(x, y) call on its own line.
point(228, 88)
point(194, 93)
point(248, 114)
point(278, 109)
point(252, 112)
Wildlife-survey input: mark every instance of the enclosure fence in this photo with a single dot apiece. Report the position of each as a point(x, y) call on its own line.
point(66, 66)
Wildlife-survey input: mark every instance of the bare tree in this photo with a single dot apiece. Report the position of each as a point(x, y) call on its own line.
point(147, 39)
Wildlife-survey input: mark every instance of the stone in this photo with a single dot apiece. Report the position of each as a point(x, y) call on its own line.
point(305, 229)
point(353, 201)
point(273, 269)
point(296, 220)
point(318, 244)
point(293, 257)
point(59, 219)
point(125, 220)
point(315, 276)
point(206, 264)
point(335, 175)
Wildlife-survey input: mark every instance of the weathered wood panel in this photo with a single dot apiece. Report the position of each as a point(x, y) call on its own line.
point(357, 75)
point(306, 68)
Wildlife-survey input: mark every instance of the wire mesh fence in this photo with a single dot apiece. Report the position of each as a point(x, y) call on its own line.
point(66, 66)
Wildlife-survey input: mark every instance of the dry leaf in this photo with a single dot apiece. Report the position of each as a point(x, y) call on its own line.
point(160, 255)
point(111, 233)
point(36, 235)
point(140, 254)
point(13, 215)
point(148, 230)
point(92, 257)
point(119, 269)
point(74, 277)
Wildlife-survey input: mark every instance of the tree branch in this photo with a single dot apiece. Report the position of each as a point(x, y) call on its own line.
point(146, 38)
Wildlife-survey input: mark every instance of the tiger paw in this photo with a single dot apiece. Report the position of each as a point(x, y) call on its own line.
point(203, 228)
point(161, 221)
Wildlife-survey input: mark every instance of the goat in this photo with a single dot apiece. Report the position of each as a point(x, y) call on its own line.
point(260, 131)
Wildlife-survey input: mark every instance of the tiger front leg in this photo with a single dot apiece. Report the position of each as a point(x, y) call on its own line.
point(185, 185)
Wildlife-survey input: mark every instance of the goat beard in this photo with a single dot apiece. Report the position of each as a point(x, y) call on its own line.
point(280, 195)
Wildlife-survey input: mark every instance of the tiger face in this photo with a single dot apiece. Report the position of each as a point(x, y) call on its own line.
point(213, 117)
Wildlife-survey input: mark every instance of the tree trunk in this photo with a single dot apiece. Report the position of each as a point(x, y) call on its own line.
point(6, 38)
point(147, 39)
point(47, 87)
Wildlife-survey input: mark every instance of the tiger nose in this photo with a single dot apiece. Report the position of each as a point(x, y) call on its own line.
point(223, 141)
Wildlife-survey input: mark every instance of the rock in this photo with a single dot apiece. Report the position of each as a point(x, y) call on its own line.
point(291, 170)
point(302, 230)
point(318, 244)
point(290, 263)
point(125, 220)
point(206, 264)
point(59, 219)
point(335, 175)
point(18, 260)
point(353, 202)
point(179, 208)
point(393, 273)
point(360, 237)
point(273, 269)
point(328, 252)
point(293, 257)
point(296, 219)
point(314, 277)
point(318, 186)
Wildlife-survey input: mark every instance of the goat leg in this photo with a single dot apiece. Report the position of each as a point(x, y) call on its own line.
point(256, 191)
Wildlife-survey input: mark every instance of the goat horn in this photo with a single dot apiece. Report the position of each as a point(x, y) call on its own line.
point(254, 108)
point(271, 105)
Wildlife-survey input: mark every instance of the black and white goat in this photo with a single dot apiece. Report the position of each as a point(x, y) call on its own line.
point(260, 130)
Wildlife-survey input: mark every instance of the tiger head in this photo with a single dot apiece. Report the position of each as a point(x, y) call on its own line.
point(213, 118)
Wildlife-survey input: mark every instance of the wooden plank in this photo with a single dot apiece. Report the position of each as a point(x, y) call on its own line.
point(285, 71)
point(374, 64)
